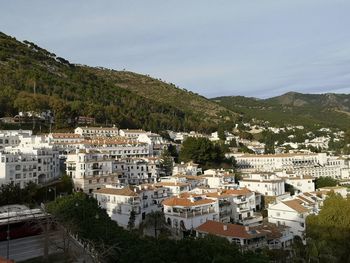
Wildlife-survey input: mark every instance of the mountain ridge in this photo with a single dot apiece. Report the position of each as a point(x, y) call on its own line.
point(330, 109)
point(110, 96)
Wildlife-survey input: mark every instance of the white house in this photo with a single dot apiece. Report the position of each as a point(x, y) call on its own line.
point(267, 184)
point(188, 213)
point(291, 213)
point(301, 183)
point(175, 187)
point(131, 134)
point(119, 203)
point(189, 168)
point(273, 162)
point(21, 164)
point(97, 131)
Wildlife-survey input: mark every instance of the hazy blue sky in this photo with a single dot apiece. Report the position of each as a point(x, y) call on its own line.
point(254, 48)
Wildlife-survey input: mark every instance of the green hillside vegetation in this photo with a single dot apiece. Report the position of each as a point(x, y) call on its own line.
point(321, 110)
point(111, 97)
point(167, 93)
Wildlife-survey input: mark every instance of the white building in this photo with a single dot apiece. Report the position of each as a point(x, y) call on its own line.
point(117, 147)
point(219, 179)
point(273, 162)
point(301, 183)
point(188, 213)
point(137, 171)
point(292, 212)
point(119, 203)
point(150, 138)
point(267, 184)
point(131, 134)
point(90, 170)
point(25, 163)
point(12, 137)
point(238, 205)
point(174, 187)
point(97, 131)
point(189, 168)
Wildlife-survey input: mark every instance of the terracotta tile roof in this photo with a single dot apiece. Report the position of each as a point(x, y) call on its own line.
point(263, 181)
point(241, 191)
point(233, 230)
point(305, 177)
point(307, 194)
point(303, 199)
point(100, 128)
point(217, 195)
point(295, 205)
point(271, 230)
point(176, 201)
point(66, 135)
point(276, 155)
point(171, 184)
point(113, 191)
point(132, 131)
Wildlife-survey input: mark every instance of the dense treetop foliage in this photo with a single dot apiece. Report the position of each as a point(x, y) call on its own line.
point(325, 181)
point(328, 233)
point(111, 97)
point(33, 194)
point(204, 152)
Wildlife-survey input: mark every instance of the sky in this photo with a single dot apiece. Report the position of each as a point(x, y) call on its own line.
point(255, 48)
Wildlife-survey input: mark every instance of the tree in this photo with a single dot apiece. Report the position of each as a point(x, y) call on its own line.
point(132, 218)
point(167, 162)
point(328, 233)
point(325, 182)
point(201, 151)
point(156, 222)
point(289, 188)
point(221, 133)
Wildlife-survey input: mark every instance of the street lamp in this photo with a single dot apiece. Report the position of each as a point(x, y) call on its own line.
point(53, 189)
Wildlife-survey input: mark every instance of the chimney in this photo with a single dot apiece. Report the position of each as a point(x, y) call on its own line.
point(225, 227)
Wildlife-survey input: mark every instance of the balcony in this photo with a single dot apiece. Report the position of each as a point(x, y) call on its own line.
point(157, 196)
point(193, 213)
point(95, 166)
point(242, 209)
point(255, 219)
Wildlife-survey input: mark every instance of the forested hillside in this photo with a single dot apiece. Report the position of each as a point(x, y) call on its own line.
point(33, 79)
point(330, 110)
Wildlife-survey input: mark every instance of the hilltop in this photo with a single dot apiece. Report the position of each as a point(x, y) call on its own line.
point(330, 110)
point(112, 97)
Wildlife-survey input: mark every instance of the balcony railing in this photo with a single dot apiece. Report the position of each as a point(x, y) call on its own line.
point(193, 213)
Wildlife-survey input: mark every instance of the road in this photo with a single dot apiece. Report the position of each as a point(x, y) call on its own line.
point(29, 247)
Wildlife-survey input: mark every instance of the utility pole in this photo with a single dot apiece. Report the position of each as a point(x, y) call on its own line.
point(8, 230)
